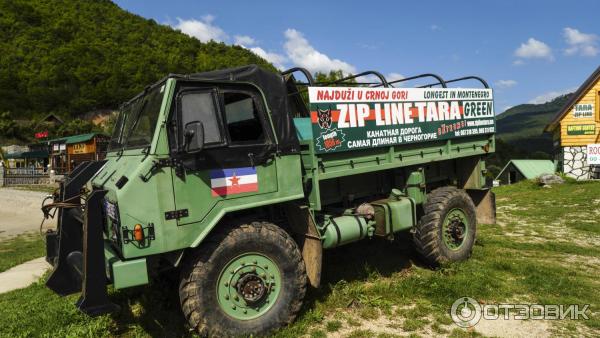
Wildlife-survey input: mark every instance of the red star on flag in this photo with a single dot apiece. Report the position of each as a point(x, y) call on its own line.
point(234, 180)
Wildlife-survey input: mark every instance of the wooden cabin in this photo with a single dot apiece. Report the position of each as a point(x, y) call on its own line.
point(68, 152)
point(575, 126)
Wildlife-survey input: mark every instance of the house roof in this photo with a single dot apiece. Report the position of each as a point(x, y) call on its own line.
point(530, 168)
point(28, 154)
point(581, 91)
point(73, 139)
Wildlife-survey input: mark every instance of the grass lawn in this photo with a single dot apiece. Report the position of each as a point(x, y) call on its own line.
point(46, 188)
point(20, 249)
point(545, 249)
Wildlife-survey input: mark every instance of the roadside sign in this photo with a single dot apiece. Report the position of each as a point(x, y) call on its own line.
point(593, 154)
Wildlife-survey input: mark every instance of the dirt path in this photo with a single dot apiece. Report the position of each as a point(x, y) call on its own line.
point(21, 276)
point(20, 212)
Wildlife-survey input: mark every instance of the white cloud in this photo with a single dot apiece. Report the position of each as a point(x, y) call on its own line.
point(580, 43)
point(394, 76)
point(505, 83)
point(534, 49)
point(303, 54)
point(549, 96)
point(243, 40)
point(277, 60)
point(202, 29)
point(297, 49)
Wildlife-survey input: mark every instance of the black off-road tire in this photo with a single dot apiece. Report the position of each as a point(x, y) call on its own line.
point(199, 275)
point(429, 236)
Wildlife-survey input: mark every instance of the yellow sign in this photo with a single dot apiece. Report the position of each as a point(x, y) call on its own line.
point(82, 148)
point(581, 129)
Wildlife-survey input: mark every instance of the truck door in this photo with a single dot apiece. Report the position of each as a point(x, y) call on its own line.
point(237, 160)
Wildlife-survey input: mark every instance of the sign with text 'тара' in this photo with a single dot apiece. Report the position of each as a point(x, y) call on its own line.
point(346, 118)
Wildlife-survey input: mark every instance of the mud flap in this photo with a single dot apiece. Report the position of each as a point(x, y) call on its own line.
point(485, 203)
point(76, 249)
point(308, 239)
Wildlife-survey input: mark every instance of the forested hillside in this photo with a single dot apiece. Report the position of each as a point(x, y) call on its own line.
point(520, 133)
point(73, 56)
point(522, 126)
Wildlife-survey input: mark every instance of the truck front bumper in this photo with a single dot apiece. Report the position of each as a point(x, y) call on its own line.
point(77, 250)
point(124, 274)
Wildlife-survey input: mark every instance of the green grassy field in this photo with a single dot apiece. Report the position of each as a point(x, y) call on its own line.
point(20, 249)
point(545, 249)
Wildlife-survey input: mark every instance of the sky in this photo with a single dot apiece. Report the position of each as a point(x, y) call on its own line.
point(529, 51)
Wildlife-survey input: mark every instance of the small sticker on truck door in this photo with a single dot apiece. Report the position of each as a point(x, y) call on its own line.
point(233, 181)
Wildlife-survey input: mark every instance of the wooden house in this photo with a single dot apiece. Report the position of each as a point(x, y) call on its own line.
point(576, 128)
point(68, 152)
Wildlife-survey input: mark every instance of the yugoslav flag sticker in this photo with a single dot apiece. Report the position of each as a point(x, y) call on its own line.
point(232, 181)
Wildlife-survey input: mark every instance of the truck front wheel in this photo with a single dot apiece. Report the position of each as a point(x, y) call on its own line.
point(249, 279)
point(446, 232)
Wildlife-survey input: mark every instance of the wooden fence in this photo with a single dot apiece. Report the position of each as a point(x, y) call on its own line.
point(23, 176)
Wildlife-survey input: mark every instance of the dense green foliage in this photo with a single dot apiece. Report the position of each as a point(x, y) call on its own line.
point(22, 131)
point(74, 56)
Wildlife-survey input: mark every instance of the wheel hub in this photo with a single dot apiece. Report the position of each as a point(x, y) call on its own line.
point(252, 288)
point(248, 286)
point(455, 229)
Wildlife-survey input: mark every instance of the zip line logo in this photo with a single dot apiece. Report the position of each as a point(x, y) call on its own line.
point(324, 118)
point(330, 139)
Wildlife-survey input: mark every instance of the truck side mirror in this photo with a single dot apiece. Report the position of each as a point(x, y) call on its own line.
point(193, 137)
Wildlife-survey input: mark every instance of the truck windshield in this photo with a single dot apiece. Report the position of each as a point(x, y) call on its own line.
point(137, 120)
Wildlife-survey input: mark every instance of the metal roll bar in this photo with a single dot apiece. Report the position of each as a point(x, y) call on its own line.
point(383, 80)
point(437, 77)
point(471, 77)
point(368, 72)
point(307, 74)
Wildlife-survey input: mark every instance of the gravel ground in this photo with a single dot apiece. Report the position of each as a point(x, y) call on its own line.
point(20, 212)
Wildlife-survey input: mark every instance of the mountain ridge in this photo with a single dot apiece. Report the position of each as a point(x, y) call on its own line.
point(523, 125)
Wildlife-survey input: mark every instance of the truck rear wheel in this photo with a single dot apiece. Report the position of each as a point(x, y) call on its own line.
point(446, 232)
point(247, 280)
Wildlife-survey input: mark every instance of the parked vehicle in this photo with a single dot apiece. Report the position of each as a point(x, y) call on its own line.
point(231, 178)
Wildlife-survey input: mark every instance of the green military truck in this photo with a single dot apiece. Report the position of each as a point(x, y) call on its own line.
point(235, 181)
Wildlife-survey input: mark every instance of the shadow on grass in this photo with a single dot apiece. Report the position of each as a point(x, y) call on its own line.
point(152, 309)
point(361, 261)
point(155, 309)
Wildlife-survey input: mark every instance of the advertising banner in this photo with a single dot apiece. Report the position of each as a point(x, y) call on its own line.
point(593, 154)
point(347, 118)
point(581, 129)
